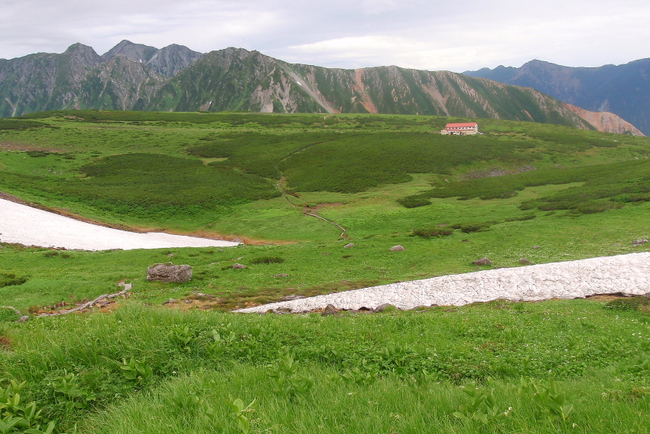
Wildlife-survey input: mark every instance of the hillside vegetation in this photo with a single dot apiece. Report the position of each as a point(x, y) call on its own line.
point(521, 190)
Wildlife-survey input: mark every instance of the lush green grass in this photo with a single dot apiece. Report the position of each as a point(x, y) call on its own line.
point(350, 373)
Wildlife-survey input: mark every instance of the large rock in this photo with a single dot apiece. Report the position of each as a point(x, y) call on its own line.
point(169, 273)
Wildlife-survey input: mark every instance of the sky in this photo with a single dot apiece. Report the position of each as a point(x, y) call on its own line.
point(458, 35)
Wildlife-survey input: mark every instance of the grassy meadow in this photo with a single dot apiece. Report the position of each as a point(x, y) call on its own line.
point(546, 193)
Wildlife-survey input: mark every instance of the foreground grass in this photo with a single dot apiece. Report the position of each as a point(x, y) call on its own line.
point(496, 367)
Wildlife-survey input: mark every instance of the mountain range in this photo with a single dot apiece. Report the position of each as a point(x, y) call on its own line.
point(138, 77)
point(622, 89)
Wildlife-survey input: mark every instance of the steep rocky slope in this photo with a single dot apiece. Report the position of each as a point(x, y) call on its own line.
point(623, 89)
point(165, 61)
point(44, 81)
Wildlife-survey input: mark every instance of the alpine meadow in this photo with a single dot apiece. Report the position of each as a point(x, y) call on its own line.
point(297, 190)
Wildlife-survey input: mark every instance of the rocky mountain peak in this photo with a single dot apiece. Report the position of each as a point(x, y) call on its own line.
point(82, 53)
point(138, 52)
point(166, 61)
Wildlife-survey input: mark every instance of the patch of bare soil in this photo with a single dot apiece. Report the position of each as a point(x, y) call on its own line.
point(320, 206)
point(9, 197)
point(5, 343)
point(605, 297)
point(23, 147)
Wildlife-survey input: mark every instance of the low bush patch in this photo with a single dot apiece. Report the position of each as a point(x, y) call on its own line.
point(10, 279)
point(433, 232)
point(414, 201)
point(268, 260)
point(631, 303)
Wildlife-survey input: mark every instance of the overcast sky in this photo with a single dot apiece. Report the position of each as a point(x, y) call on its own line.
point(451, 35)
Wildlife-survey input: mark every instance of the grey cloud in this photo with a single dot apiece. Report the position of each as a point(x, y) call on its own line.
point(466, 34)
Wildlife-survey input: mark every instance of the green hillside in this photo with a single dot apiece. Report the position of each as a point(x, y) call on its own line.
point(542, 192)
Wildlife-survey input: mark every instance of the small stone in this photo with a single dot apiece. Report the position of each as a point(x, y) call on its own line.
point(397, 248)
point(348, 246)
point(386, 307)
point(639, 242)
point(524, 261)
point(282, 311)
point(482, 261)
point(281, 275)
point(169, 273)
point(537, 247)
point(170, 301)
point(239, 266)
point(330, 310)
point(24, 318)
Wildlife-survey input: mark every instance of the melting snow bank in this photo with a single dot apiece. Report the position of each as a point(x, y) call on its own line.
point(34, 227)
point(627, 274)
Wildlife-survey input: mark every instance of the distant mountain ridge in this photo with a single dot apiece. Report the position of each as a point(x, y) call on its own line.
point(623, 89)
point(138, 77)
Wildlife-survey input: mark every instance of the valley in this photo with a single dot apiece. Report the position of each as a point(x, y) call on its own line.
point(147, 363)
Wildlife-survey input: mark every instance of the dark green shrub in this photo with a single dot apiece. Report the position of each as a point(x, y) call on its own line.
point(592, 207)
point(267, 260)
point(433, 232)
point(413, 201)
point(521, 218)
point(629, 303)
point(10, 279)
point(19, 124)
point(38, 153)
point(499, 195)
point(475, 227)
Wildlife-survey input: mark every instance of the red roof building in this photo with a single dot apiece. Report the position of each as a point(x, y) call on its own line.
point(461, 129)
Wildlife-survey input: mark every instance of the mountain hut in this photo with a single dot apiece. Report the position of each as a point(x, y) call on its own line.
point(461, 129)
